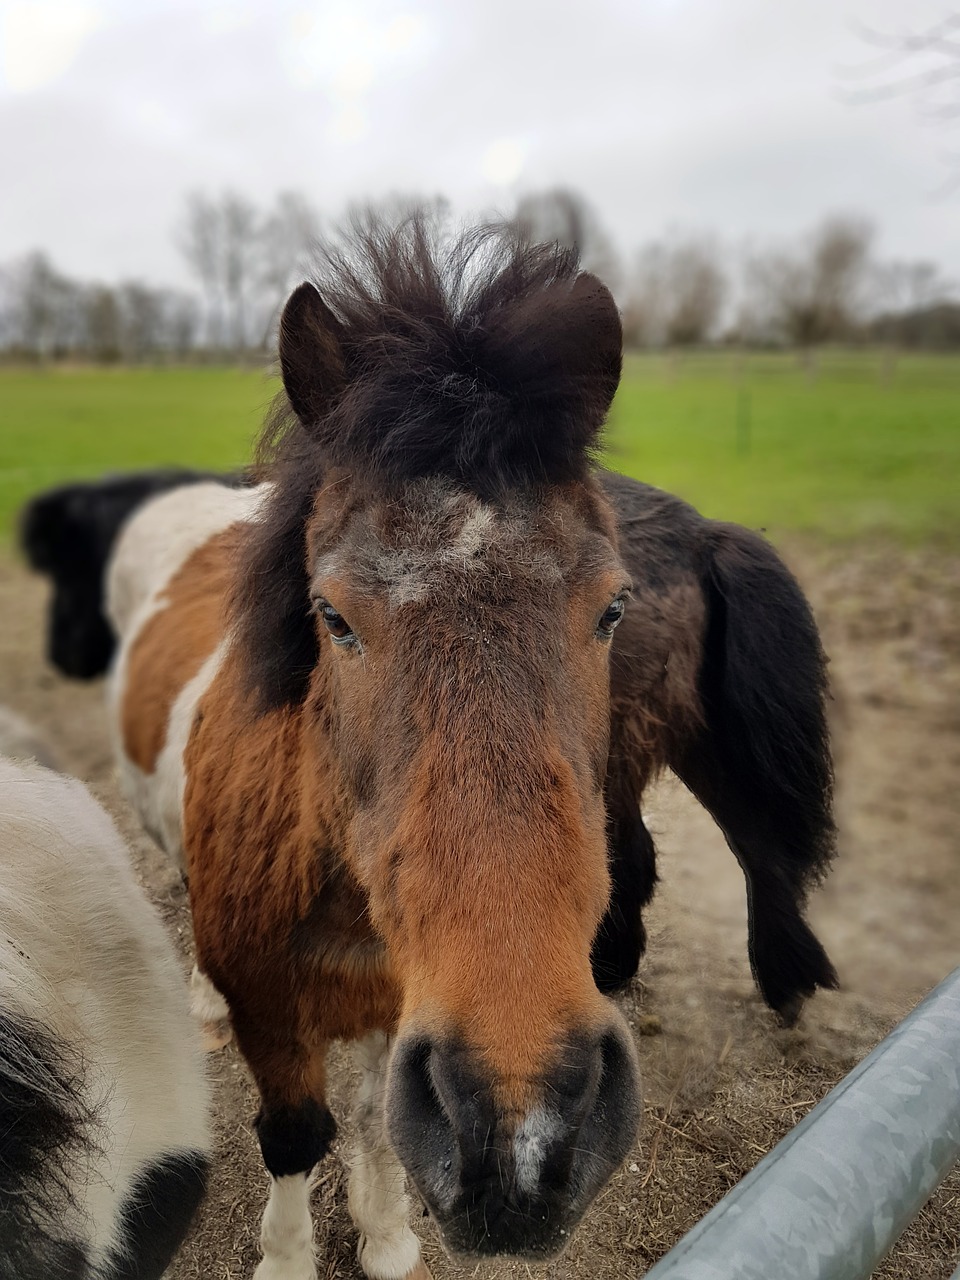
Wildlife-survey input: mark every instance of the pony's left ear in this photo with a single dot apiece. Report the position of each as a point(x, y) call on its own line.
point(311, 355)
point(559, 350)
point(601, 353)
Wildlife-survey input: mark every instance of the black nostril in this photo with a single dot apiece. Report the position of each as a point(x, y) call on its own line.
point(573, 1083)
point(419, 1124)
point(611, 1124)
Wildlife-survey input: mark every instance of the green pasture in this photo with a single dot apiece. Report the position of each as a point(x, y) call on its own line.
point(856, 445)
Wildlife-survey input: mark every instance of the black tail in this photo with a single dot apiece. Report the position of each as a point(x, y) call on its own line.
point(45, 1130)
point(761, 762)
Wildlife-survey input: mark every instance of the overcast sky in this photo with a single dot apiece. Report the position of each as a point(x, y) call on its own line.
point(714, 114)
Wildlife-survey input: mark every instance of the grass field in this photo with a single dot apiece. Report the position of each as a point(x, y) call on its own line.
point(853, 448)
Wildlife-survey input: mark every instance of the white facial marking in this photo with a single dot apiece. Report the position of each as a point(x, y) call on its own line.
point(411, 573)
point(539, 1130)
point(453, 533)
point(478, 529)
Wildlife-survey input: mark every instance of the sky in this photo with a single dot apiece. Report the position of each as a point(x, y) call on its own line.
point(723, 116)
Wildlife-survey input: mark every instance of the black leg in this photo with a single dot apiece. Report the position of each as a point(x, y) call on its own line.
point(759, 760)
point(787, 961)
point(294, 1139)
point(621, 938)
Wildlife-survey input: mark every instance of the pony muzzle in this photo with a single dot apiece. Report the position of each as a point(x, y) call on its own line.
point(503, 1180)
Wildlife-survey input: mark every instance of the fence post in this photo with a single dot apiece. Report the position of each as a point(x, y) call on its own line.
point(829, 1200)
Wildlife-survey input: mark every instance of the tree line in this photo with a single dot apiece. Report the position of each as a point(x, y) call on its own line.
point(46, 315)
point(242, 260)
point(683, 289)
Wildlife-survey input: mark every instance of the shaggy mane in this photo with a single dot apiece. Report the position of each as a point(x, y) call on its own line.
point(484, 359)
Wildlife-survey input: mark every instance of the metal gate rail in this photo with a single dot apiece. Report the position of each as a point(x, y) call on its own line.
point(831, 1199)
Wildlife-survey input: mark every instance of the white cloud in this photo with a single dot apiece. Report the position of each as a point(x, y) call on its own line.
point(40, 39)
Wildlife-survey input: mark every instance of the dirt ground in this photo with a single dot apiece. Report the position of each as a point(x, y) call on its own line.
point(722, 1083)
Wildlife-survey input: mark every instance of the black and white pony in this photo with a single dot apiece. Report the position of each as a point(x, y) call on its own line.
point(104, 1139)
point(68, 534)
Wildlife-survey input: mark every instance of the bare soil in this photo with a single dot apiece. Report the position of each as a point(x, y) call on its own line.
point(722, 1082)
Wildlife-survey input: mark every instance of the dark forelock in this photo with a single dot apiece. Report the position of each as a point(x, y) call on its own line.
point(483, 357)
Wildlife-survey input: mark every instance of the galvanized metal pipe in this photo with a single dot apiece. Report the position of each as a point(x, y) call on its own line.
point(829, 1200)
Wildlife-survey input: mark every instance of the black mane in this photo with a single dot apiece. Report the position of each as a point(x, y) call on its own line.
point(484, 359)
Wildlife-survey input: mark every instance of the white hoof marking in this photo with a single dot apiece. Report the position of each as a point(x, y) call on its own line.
point(206, 1002)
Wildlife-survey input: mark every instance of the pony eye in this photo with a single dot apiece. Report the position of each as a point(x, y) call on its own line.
point(611, 618)
point(335, 623)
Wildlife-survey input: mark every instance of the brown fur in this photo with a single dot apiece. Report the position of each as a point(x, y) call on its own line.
point(282, 926)
point(654, 670)
point(173, 645)
point(405, 831)
point(277, 851)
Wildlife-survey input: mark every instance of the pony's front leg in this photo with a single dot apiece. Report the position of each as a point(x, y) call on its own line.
point(377, 1197)
point(295, 1130)
point(286, 1233)
point(621, 938)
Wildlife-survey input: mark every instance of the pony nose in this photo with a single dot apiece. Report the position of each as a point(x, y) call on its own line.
point(501, 1178)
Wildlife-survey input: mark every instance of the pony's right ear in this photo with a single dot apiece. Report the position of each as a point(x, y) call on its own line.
point(311, 355)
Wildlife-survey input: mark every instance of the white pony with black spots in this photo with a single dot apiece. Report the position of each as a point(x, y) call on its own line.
point(104, 1138)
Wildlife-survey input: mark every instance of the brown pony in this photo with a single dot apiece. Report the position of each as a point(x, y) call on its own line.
point(388, 689)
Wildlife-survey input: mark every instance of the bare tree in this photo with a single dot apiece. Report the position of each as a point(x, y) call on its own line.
point(46, 309)
point(34, 289)
point(914, 307)
point(676, 294)
point(817, 292)
point(647, 303)
point(697, 291)
point(181, 322)
point(44, 313)
point(568, 218)
point(911, 286)
point(200, 241)
point(9, 318)
point(921, 65)
point(142, 310)
point(103, 323)
point(240, 231)
point(245, 261)
point(287, 235)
